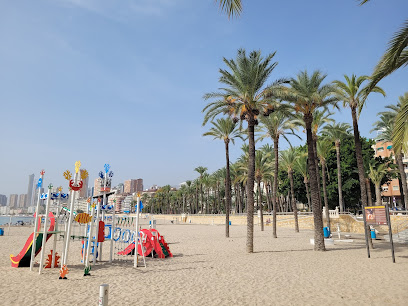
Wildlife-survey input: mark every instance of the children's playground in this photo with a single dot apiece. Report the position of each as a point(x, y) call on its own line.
point(98, 235)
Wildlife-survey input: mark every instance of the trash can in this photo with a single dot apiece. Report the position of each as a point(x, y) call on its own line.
point(230, 223)
point(326, 232)
point(1, 231)
point(373, 234)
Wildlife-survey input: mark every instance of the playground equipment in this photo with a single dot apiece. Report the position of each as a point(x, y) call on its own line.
point(97, 225)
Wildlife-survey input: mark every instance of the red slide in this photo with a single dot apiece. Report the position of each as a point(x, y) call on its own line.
point(24, 257)
point(159, 244)
point(151, 240)
point(145, 242)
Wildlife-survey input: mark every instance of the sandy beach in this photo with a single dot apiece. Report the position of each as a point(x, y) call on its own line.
point(209, 269)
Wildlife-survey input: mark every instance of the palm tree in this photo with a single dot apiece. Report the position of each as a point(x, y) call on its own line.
point(276, 125)
point(354, 97)
point(288, 162)
point(336, 133)
point(323, 149)
point(306, 94)
point(231, 7)
point(201, 170)
point(243, 96)
point(376, 175)
point(227, 130)
point(301, 167)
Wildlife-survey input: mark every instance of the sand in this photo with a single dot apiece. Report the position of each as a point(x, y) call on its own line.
point(209, 269)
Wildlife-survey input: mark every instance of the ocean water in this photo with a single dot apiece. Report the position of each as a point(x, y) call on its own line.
point(14, 219)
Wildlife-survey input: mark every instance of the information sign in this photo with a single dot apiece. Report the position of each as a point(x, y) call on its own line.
point(376, 215)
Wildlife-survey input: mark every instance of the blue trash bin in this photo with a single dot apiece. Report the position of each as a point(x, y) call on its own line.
point(1, 232)
point(326, 232)
point(373, 234)
point(230, 223)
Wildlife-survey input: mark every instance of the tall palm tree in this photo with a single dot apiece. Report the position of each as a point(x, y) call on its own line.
point(306, 93)
point(276, 125)
point(376, 175)
point(201, 170)
point(243, 99)
point(336, 133)
point(323, 149)
point(352, 96)
point(227, 130)
point(288, 162)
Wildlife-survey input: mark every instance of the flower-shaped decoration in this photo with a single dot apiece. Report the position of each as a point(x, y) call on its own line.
point(110, 173)
point(67, 175)
point(107, 167)
point(84, 174)
point(101, 174)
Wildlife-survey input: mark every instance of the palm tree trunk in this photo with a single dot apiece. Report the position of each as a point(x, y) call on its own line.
point(250, 185)
point(260, 205)
point(275, 183)
point(339, 182)
point(403, 179)
point(294, 207)
point(227, 189)
point(237, 198)
point(268, 196)
point(378, 201)
point(360, 167)
point(306, 181)
point(243, 198)
point(196, 196)
point(201, 196)
point(326, 202)
point(369, 195)
point(314, 187)
point(316, 161)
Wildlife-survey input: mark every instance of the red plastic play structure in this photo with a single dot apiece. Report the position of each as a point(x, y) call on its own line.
point(151, 241)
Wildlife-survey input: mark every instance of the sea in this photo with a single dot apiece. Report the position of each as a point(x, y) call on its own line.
point(16, 219)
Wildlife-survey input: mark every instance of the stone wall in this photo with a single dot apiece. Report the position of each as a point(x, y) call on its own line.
point(347, 223)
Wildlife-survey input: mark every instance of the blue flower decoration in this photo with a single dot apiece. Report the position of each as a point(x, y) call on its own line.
point(107, 167)
point(101, 174)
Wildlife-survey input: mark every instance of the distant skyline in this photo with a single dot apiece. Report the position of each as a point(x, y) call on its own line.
point(121, 82)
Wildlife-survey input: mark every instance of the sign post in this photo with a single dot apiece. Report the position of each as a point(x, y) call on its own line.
point(380, 215)
point(390, 232)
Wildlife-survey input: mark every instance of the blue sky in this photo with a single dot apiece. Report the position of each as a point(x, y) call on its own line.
point(121, 82)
